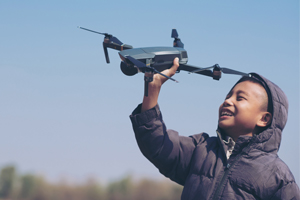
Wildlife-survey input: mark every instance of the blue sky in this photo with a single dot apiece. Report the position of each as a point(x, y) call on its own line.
point(64, 112)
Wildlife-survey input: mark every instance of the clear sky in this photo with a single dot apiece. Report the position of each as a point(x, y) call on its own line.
point(64, 112)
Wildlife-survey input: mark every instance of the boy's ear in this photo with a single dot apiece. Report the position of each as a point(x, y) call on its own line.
point(265, 119)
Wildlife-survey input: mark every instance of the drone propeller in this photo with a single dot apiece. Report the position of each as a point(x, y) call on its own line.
point(177, 41)
point(223, 69)
point(143, 67)
point(174, 33)
point(111, 42)
point(107, 36)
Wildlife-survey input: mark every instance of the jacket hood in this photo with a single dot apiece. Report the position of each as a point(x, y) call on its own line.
point(270, 138)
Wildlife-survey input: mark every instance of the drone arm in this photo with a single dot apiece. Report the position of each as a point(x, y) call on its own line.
point(191, 68)
point(105, 52)
point(126, 46)
point(116, 46)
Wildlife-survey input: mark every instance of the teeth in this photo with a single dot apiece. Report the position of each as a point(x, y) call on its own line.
point(226, 113)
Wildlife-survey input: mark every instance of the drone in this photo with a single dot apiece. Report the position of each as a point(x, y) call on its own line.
point(151, 60)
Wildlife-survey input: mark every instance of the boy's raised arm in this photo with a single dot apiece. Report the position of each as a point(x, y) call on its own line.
point(154, 87)
point(168, 151)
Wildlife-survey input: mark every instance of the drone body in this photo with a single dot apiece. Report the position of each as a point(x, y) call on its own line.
point(160, 58)
point(150, 60)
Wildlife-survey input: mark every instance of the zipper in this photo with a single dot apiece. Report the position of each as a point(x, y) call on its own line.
point(221, 185)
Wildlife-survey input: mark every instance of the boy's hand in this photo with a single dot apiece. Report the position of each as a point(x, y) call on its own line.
point(154, 87)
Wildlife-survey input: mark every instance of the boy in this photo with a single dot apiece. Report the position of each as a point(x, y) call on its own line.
point(241, 163)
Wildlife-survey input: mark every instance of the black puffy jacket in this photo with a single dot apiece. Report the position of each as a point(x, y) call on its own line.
point(199, 162)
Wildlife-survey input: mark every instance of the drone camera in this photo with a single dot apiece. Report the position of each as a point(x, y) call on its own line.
point(128, 70)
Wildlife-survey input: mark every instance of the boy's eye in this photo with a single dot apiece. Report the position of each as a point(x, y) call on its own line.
point(240, 98)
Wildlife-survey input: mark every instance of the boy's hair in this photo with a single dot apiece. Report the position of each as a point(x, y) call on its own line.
point(267, 104)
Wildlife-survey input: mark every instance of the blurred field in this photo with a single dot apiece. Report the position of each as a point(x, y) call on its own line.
point(15, 186)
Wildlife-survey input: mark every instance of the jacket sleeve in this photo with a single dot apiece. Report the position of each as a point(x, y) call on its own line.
point(288, 192)
point(168, 151)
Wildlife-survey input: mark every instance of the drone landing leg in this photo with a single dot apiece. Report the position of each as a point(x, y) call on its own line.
point(148, 78)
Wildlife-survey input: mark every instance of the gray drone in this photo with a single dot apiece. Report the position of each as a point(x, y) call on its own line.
point(150, 60)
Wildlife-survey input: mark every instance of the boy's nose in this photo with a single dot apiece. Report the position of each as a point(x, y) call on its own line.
point(227, 102)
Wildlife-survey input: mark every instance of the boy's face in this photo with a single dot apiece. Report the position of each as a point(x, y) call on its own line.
point(242, 109)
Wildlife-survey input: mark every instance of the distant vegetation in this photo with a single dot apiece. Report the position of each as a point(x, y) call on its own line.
point(15, 186)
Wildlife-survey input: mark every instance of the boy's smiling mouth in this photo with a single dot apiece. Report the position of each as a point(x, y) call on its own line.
point(225, 113)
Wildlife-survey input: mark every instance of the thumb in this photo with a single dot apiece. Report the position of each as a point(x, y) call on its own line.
point(175, 64)
point(171, 71)
point(174, 67)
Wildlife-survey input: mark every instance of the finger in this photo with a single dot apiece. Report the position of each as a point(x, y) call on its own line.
point(170, 72)
point(175, 65)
